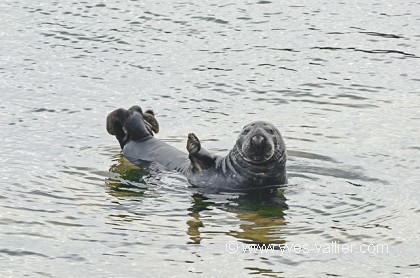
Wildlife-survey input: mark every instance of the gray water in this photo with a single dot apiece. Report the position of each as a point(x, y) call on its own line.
point(339, 79)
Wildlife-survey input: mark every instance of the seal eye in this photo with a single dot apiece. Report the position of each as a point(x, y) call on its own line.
point(245, 131)
point(270, 130)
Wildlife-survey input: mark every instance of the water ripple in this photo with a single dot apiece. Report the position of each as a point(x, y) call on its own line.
point(20, 253)
point(371, 51)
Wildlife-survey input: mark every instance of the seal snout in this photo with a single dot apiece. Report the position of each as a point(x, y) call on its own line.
point(258, 141)
point(258, 147)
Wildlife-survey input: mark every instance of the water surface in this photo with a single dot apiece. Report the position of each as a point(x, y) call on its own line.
point(340, 80)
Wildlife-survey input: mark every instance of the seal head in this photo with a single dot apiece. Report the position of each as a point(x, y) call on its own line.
point(260, 142)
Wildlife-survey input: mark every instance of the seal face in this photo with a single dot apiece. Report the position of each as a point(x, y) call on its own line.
point(259, 142)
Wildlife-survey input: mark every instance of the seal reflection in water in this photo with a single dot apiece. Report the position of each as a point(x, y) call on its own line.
point(256, 161)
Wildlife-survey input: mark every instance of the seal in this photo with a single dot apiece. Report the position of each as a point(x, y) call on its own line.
point(257, 160)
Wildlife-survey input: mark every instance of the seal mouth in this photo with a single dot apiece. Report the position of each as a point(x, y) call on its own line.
point(257, 159)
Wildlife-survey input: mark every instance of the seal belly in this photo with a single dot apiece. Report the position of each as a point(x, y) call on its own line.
point(152, 149)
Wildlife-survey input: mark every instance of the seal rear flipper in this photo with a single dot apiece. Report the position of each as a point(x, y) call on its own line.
point(151, 122)
point(131, 124)
point(115, 125)
point(135, 125)
point(200, 158)
point(149, 119)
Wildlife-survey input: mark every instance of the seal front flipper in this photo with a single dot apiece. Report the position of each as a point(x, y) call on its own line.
point(193, 144)
point(200, 158)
